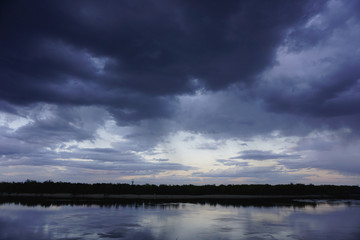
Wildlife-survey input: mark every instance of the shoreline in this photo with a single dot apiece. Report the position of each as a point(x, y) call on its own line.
point(167, 197)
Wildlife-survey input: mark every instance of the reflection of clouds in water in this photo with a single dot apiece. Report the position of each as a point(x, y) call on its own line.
point(296, 223)
point(256, 223)
point(179, 221)
point(275, 216)
point(184, 224)
point(12, 227)
point(340, 223)
point(69, 223)
point(324, 208)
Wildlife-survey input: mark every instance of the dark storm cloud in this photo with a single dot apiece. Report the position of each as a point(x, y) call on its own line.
point(329, 86)
point(133, 56)
point(336, 96)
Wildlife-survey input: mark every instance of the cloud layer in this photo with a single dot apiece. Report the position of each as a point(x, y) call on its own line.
point(182, 90)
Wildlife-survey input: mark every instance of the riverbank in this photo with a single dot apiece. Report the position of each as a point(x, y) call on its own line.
point(168, 197)
point(109, 191)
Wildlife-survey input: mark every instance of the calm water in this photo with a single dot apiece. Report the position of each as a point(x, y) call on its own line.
point(323, 220)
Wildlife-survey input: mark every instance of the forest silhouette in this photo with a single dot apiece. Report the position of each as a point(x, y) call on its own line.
point(51, 187)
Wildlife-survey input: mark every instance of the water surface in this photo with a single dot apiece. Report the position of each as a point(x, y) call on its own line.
point(307, 220)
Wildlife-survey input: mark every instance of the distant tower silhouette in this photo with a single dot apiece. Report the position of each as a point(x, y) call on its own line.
point(132, 182)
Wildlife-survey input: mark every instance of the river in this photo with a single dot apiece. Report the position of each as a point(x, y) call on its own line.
point(311, 219)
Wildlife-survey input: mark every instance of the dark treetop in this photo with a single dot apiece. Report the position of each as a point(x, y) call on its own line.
point(108, 188)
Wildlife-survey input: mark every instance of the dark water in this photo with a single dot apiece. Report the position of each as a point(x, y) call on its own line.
point(305, 220)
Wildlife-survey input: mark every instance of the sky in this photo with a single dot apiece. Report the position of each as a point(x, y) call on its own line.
point(180, 92)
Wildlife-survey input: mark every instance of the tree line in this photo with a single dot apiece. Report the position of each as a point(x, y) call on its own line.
point(31, 186)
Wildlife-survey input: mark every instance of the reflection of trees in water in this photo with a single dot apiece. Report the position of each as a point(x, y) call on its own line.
point(173, 204)
point(75, 190)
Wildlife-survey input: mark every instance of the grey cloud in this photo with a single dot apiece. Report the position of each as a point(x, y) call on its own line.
point(339, 156)
point(224, 114)
point(41, 142)
point(228, 162)
point(271, 174)
point(161, 159)
point(208, 146)
point(124, 164)
point(9, 145)
point(264, 155)
point(345, 165)
point(336, 150)
point(50, 125)
point(322, 25)
point(235, 172)
point(99, 150)
point(316, 144)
